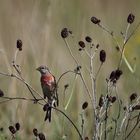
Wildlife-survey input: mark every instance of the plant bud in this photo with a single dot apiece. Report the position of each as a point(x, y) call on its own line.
point(88, 39)
point(1, 93)
point(102, 56)
point(85, 105)
point(35, 132)
point(17, 125)
point(81, 44)
point(19, 45)
point(133, 96)
point(41, 136)
point(64, 33)
point(12, 129)
point(95, 20)
point(130, 18)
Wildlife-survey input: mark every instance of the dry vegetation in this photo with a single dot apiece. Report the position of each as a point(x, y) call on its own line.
point(99, 80)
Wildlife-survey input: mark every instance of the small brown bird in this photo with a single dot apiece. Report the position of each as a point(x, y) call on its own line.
point(49, 88)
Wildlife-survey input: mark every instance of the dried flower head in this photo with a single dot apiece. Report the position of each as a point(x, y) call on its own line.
point(137, 107)
point(64, 33)
point(97, 46)
point(133, 96)
point(12, 129)
point(115, 75)
point(112, 99)
point(102, 56)
point(17, 126)
point(46, 107)
point(86, 138)
point(84, 105)
point(35, 132)
point(41, 136)
point(81, 44)
point(95, 20)
point(66, 86)
point(88, 39)
point(1, 93)
point(130, 18)
point(101, 101)
point(19, 45)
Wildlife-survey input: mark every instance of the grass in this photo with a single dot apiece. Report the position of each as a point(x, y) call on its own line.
point(38, 24)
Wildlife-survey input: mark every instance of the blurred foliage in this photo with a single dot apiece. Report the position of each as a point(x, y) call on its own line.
point(38, 24)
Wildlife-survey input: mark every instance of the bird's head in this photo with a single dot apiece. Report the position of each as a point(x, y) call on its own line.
point(43, 69)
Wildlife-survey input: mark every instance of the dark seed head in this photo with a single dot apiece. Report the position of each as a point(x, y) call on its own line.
point(35, 132)
point(19, 45)
point(130, 18)
point(1, 129)
point(66, 86)
point(86, 138)
point(102, 56)
point(97, 46)
point(88, 39)
point(17, 125)
point(118, 73)
point(41, 136)
point(80, 49)
point(95, 20)
point(64, 33)
point(12, 129)
point(133, 96)
point(137, 107)
point(112, 99)
point(1, 93)
point(85, 105)
point(81, 44)
point(101, 101)
point(112, 76)
point(46, 107)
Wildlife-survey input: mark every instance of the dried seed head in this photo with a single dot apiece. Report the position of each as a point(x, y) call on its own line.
point(137, 107)
point(17, 125)
point(133, 96)
point(1, 93)
point(130, 18)
point(80, 49)
point(46, 107)
point(1, 129)
point(66, 86)
point(117, 48)
point(97, 46)
point(64, 33)
point(115, 75)
point(101, 101)
point(95, 20)
point(88, 39)
point(118, 73)
point(102, 56)
point(84, 105)
point(112, 99)
point(86, 138)
point(12, 129)
point(41, 136)
point(35, 132)
point(19, 45)
point(81, 44)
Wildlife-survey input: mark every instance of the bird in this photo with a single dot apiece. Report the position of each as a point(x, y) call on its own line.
point(49, 88)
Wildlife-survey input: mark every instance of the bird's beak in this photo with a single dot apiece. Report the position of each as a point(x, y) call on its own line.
point(38, 69)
